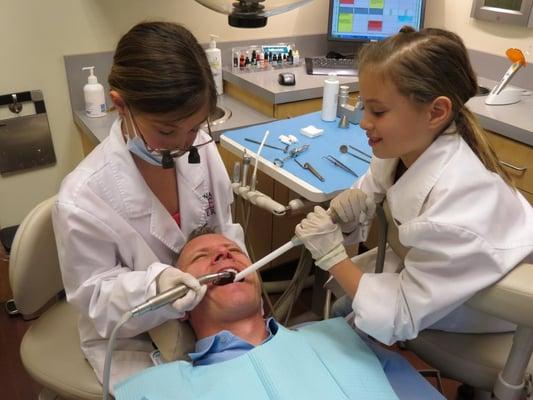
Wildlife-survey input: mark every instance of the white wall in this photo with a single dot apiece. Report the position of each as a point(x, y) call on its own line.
point(487, 37)
point(35, 34)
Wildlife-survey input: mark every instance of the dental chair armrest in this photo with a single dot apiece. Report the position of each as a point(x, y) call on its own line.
point(511, 298)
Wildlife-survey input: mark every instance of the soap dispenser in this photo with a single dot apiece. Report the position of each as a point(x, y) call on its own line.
point(94, 95)
point(214, 57)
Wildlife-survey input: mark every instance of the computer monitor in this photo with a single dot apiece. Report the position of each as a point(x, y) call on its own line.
point(370, 20)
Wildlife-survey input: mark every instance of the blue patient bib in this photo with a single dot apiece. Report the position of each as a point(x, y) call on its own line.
point(324, 360)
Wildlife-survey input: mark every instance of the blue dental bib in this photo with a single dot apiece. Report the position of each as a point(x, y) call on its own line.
point(322, 360)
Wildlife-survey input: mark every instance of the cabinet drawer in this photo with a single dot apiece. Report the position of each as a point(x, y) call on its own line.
point(518, 159)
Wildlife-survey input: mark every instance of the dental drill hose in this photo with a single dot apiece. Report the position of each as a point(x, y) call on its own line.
point(153, 303)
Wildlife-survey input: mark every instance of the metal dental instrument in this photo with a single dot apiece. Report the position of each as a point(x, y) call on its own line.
point(344, 150)
point(310, 168)
point(168, 296)
point(339, 164)
point(269, 145)
point(362, 152)
point(278, 162)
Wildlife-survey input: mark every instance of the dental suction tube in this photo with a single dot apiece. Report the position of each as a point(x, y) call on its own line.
point(278, 252)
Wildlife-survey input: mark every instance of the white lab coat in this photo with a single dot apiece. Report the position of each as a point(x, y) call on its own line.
point(114, 237)
point(465, 229)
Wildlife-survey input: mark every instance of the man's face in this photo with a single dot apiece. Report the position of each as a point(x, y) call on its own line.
point(213, 253)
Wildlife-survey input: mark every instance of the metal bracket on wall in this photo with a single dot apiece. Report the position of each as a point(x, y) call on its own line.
point(25, 140)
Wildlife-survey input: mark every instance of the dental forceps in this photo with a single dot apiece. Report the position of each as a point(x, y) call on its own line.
point(339, 164)
point(310, 168)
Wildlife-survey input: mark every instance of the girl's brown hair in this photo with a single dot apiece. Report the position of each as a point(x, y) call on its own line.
point(431, 63)
point(159, 67)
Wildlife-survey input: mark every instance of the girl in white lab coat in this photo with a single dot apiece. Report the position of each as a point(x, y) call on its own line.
point(461, 220)
point(123, 215)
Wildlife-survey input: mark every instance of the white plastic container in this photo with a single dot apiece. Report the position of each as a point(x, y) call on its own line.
point(330, 98)
point(94, 95)
point(214, 57)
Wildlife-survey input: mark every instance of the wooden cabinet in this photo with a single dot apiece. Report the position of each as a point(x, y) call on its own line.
point(279, 111)
point(517, 160)
point(268, 232)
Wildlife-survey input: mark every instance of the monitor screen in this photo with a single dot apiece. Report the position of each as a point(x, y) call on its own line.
point(369, 20)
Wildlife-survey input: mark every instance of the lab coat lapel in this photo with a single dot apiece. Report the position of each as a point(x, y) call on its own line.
point(164, 228)
point(137, 197)
point(407, 196)
point(133, 190)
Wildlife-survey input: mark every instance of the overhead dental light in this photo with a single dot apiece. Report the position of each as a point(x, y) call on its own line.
point(251, 13)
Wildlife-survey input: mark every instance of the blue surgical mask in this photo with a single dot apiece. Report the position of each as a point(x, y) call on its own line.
point(137, 146)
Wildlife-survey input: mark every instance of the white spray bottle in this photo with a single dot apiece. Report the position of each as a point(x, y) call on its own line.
point(94, 95)
point(214, 57)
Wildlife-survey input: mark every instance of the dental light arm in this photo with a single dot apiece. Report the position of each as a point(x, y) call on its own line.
point(153, 303)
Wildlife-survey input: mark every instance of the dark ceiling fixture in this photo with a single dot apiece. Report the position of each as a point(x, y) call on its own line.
point(251, 13)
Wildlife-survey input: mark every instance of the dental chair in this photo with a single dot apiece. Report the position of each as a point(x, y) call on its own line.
point(50, 349)
point(488, 363)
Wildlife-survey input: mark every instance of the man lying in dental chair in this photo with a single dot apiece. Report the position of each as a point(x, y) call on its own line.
point(240, 355)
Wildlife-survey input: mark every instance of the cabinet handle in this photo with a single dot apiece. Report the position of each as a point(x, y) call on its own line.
point(519, 169)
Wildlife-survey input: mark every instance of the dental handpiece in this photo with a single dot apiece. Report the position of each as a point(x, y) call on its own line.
point(278, 252)
point(170, 295)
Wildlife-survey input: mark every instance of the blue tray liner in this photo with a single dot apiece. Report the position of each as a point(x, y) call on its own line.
point(328, 143)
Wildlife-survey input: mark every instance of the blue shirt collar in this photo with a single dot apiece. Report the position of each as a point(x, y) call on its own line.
point(224, 341)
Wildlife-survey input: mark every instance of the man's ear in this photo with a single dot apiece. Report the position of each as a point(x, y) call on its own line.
point(119, 102)
point(440, 112)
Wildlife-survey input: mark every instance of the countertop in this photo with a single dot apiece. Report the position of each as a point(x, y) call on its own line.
point(264, 84)
point(513, 121)
point(97, 129)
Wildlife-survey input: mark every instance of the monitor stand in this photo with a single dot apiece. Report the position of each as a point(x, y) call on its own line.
point(345, 49)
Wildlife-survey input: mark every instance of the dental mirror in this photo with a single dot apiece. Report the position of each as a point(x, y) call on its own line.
point(344, 150)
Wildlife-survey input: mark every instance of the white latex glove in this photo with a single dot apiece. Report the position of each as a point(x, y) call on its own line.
point(353, 207)
point(171, 277)
point(322, 238)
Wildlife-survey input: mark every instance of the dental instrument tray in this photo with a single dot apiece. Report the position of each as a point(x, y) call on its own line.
point(291, 174)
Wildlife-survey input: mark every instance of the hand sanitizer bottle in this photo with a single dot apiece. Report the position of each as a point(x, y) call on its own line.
point(214, 57)
point(94, 95)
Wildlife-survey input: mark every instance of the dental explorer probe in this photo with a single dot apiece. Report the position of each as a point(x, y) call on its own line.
point(278, 252)
point(153, 303)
